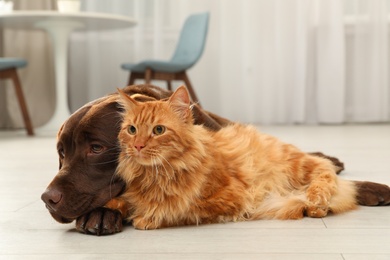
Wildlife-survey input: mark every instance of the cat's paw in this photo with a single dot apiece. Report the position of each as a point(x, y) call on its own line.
point(317, 212)
point(319, 201)
point(144, 223)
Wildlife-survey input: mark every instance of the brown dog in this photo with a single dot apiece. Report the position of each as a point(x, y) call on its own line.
point(88, 151)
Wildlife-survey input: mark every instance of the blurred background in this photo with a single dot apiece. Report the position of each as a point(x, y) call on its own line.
point(265, 61)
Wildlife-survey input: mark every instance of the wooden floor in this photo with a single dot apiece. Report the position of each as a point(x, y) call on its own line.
point(27, 231)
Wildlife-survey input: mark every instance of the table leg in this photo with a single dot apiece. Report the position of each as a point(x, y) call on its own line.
point(59, 32)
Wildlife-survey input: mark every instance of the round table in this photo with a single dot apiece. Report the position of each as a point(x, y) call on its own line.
point(60, 25)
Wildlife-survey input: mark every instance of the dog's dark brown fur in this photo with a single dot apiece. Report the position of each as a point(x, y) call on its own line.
point(88, 151)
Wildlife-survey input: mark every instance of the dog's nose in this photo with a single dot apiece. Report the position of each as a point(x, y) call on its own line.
point(51, 197)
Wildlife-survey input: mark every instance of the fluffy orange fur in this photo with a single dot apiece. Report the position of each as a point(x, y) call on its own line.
point(178, 173)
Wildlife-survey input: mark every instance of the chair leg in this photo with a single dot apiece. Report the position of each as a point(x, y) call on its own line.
point(131, 79)
point(148, 76)
point(22, 102)
point(190, 89)
point(169, 85)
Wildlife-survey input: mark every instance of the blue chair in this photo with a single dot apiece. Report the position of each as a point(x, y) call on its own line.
point(8, 70)
point(188, 51)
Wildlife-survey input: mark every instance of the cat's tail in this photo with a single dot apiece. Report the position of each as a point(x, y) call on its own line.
point(345, 198)
point(349, 195)
point(276, 206)
point(294, 205)
point(364, 193)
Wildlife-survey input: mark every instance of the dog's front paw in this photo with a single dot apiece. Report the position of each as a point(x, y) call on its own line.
point(100, 221)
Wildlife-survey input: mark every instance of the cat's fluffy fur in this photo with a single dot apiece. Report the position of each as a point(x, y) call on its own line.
point(190, 175)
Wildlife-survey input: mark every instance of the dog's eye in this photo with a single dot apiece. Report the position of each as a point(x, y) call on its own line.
point(131, 129)
point(96, 148)
point(61, 153)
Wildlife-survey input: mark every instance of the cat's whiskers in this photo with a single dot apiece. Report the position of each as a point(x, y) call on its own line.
point(165, 173)
point(154, 163)
point(111, 161)
point(172, 176)
point(111, 149)
point(153, 156)
point(159, 165)
point(128, 156)
point(112, 182)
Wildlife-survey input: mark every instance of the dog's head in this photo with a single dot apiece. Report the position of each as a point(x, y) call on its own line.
point(88, 151)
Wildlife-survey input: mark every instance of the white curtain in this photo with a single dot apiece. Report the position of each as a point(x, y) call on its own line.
point(367, 63)
point(37, 77)
point(267, 62)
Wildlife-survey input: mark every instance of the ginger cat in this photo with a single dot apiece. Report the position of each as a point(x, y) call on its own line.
point(178, 173)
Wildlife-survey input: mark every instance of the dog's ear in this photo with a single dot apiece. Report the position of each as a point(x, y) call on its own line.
point(60, 131)
point(127, 102)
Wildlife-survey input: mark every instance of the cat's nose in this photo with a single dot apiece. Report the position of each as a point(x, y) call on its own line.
point(139, 147)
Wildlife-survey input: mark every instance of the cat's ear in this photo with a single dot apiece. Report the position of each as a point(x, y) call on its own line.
point(180, 102)
point(127, 102)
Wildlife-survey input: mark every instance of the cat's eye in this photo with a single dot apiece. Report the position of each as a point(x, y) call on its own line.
point(131, 130)
point(158, 129)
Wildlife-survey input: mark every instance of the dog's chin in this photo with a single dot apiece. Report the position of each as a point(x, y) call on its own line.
point(61, 219)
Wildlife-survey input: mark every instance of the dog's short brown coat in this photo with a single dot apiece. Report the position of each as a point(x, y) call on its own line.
point(88, 151)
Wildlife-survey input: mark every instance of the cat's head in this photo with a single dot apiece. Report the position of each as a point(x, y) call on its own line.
point(152, 132)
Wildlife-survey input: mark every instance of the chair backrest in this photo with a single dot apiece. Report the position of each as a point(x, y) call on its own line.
point(192, 39)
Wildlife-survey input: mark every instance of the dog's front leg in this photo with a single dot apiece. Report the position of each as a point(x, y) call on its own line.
point(100, 221)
